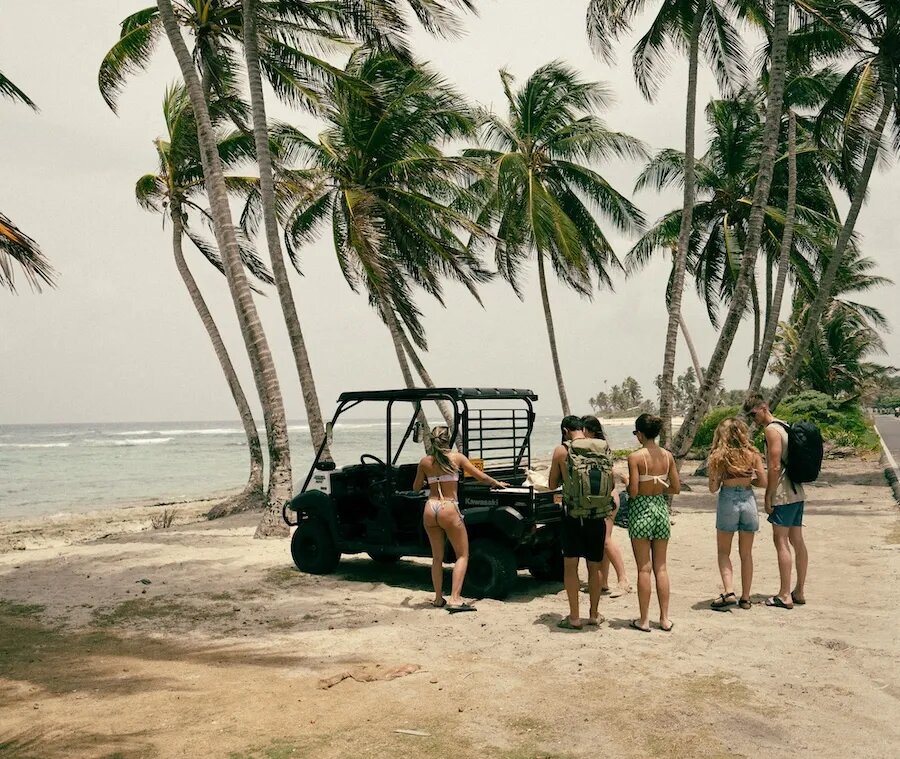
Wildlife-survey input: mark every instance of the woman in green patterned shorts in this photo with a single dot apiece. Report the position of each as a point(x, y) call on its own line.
point(652, 476)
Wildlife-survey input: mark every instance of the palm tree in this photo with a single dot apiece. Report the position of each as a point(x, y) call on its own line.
point(702, 27)
point(768, 149)
point(219, 29)
point(279, 489)
point(172, 191)
point(845, 337)
point(858, 114)
point(15, 245)
point(378, 178)
point(382, 24)
point(726, 175)
point(542, 195)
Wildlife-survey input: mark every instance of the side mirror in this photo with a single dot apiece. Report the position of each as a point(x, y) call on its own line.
point(329, 432)
point(417, 432)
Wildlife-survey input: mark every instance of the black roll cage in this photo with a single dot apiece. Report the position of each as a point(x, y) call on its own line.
point(459, 399)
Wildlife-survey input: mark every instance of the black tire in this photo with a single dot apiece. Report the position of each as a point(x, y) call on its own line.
point(384, 558)
point(547, 566)
point(313, 549)
point(492, 569)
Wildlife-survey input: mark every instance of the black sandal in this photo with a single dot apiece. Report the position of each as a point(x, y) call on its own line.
point(745, 603)
point(723, 602)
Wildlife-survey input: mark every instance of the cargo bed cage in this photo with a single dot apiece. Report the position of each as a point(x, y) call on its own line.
point(500, 438)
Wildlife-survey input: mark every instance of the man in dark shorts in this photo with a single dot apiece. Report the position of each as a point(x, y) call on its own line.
point(579, 537)
point(784, 504)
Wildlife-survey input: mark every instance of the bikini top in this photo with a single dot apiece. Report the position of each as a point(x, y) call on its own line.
point(449, 477)
point(659, 479)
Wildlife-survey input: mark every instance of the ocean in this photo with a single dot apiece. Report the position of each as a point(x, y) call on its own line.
point(62, 468)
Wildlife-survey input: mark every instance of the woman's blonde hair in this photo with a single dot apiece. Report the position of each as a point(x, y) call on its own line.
point(732, 453)
point(439, 448)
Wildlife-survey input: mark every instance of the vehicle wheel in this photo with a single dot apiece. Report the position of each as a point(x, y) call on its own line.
point(492, 569)
point(384, 558)
point(547, 566)
point(313, 548)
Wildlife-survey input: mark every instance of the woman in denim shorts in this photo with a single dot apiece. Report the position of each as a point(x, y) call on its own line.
point(735, 466)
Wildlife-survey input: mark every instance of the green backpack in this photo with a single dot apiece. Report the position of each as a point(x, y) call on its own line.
point(587, 490)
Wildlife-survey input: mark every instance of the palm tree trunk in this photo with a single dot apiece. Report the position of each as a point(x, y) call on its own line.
point(826, 283)
point(692, 349)
point(444, 406)
point(263, 367)
point(667, 388)
point(551, 334)
point(252, 495)
point(267, 196)
point(771, 132)
point(754, 297)
point(784, 258)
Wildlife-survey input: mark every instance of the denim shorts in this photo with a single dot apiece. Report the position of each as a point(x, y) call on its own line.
point(788, 515)
point(736, 511)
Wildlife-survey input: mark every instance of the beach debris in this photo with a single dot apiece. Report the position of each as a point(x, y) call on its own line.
point(369, 674)
point(421, 733)
point(143, 581)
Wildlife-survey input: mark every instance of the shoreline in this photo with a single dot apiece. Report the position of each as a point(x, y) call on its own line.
point(67, 528)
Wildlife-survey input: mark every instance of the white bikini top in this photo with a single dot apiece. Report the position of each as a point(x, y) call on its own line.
point(449, 477)
point(659, 479)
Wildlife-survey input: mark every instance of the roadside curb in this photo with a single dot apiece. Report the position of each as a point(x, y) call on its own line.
point(891, 470)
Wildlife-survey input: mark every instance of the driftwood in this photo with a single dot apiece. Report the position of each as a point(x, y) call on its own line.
point(369, 674)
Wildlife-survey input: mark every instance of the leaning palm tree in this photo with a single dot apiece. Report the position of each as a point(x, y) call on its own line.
point(726, 175)
point(769, 140)
point(378, 178)
point(863, 105)
point(279, 489)
point(16, 246)
point(286, 42)
point(702, 28)
point(173, 191)
point(542, 194)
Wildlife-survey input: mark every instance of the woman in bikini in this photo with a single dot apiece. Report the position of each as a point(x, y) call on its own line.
point(652, 475)
point(442, 518)
point(735, 466)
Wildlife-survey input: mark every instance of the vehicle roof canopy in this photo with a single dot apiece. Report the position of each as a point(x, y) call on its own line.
point(439, 393)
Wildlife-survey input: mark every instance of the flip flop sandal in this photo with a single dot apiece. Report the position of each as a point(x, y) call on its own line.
point(456, 609)
point(439, 604)
point(776, 601)
point(667, 629)
point(723, 601)
point(745, 603)
point(566, 624)
point(636, 626)
point(595, 621)
point(798, 601)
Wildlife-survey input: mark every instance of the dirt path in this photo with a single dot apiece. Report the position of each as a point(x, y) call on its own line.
point(223, 650)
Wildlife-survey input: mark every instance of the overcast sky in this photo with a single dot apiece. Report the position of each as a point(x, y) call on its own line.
point(119, 339)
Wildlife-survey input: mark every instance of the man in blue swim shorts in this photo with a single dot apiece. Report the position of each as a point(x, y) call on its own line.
point(784, 503)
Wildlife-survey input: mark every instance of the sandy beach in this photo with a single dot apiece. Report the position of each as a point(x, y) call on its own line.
point(196, 640)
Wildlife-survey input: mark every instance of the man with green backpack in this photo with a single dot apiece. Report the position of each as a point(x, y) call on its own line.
point(583, 467)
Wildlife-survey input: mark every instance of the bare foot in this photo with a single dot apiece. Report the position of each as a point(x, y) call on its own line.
point(595, 621)
point(666, 625)
point(621, 590)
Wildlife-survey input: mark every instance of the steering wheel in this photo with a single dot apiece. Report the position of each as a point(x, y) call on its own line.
point(362, 459)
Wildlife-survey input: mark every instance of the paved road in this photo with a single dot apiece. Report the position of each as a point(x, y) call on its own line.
point(889, 427)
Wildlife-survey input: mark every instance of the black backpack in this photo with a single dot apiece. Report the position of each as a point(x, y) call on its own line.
point(805, 451)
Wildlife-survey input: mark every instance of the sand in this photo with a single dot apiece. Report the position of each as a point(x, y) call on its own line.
point(198, 641)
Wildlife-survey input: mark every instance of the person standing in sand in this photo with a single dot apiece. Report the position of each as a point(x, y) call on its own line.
point(784, 504)
point(442, 518)
point(734, 467)
point(580, 536)
point(652, 475)
point(593, 428)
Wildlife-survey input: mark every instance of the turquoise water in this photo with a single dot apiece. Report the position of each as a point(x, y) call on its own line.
point(55, 468)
